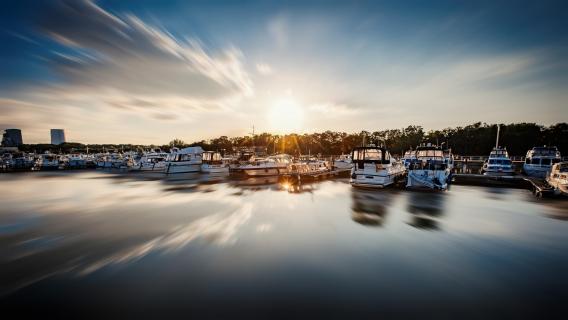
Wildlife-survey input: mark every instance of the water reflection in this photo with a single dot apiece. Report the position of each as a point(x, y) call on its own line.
point(145, 237)
point(426, 209)
point(369, 207)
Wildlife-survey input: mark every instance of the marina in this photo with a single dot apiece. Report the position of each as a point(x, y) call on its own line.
point(283, 159)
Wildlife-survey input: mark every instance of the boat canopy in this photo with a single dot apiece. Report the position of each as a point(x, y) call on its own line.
point(370, 155)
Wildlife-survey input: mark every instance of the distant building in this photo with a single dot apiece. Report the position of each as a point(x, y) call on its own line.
point(57, 136)
point(12, 138)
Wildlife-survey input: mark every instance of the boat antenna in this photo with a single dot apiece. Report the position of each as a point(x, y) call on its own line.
point(497, 140)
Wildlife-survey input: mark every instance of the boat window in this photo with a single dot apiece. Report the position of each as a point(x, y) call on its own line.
point(535, 161)
point(492, 161)
point(507, 162)
point(545, 162)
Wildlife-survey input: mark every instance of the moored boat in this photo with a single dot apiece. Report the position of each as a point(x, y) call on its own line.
point(269, 166)
point(151, 161)
point(344, 162)
point(374, 167)
point(558, 178)
point(539, 161)
point(429, 170)
point(498, 163)
point(184, 160)
point(212, 162)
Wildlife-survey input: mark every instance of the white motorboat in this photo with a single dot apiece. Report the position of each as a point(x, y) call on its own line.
point(212, 162)
point(184, 160)
point(498, 163)
point(539, 161)
point(270, 166)
point(344, 162)
point(151, 161)
point(374, 167)
point(429, 170)
point(75, 161)
point(558, 178)
point(112, 161)
point(48, 161)
point(308, 165)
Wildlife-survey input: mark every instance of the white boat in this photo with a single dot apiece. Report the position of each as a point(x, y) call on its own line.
point(429, 170)
point(539, 161)
point(558, 178)
point(75, 161)
point(151, 161)
point(270, 166)
point(308, 165)
point(112, 161)
point(212, 162)
point(374, 167)
point(48, 161)
point(344, 162)
point(498, 163)
point(184, 160)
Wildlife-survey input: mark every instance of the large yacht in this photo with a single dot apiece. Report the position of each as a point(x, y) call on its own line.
point(558, 178)
point(269, 166)
point(184, 160)
point(212, 162)
point(539, 161)
point(374, 167)
point(498, 163)
point(429, 170)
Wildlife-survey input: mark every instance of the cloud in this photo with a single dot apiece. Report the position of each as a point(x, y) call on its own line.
point(129, 55)
point(264, 69)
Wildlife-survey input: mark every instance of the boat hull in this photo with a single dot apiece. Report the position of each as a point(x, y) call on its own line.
point(173, 167)
point(365, 180)
point(214, 169)
point(427, 179)
point(536, 170)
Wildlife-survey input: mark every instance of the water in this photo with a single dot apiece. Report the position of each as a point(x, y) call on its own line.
point(111, 244)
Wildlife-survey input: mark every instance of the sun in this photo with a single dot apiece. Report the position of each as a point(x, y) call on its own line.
point(285, 115)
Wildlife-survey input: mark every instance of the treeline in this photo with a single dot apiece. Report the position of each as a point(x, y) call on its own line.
point(475, 139)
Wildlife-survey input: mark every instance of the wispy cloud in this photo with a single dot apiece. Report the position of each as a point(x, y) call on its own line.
point(264, 69)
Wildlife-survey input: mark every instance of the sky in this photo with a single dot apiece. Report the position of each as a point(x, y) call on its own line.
point(146, 72)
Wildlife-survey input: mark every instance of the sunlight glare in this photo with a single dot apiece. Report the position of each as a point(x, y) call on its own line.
point(285, 116)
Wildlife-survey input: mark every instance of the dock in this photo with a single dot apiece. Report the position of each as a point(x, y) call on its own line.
point(538, 186)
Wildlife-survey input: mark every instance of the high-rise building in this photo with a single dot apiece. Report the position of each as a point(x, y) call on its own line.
point(12, 138)
point(57, 136)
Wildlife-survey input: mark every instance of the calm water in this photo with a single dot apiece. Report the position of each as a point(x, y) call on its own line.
point(96, 243)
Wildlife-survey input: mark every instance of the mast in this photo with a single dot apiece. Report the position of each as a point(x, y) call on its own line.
point(497, 140)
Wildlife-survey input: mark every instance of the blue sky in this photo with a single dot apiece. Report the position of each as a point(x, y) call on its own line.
point(149, 71)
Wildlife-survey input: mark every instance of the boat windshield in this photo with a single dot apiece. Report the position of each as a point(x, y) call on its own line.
point(374, 155)
point(429, 153)
point(501, 162)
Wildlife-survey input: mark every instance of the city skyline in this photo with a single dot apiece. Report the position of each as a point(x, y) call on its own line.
point(147, 72)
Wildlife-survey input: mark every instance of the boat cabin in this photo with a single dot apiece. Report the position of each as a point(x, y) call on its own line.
point(376, 155)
